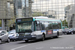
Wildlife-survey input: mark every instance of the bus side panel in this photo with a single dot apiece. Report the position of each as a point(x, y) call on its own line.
point(49, 33)
point(60, 32)
point(55, 32)
point(38, 34)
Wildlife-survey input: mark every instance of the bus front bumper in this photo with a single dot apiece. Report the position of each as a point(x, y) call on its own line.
point(29, 37)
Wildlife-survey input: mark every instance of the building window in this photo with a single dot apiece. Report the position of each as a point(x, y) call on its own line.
point(19, 4)
point(23, 3)
point(27, 3)
point(8, 4)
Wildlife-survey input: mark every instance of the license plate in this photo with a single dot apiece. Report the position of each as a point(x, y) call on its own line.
point(25, 39)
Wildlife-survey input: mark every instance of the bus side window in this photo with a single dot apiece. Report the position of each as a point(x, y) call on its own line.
point(50, 26)
point(38, 27)
point(42, 26)
point(59, 25)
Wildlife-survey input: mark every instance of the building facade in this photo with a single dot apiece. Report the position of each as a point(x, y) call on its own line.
point(49, 13)
point(23, 8)
point(70, 15)
point(5, 13)
point(3, 9)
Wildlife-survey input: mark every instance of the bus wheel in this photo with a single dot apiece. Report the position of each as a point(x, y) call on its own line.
point(43, 37)
point(26, 41)
point(0, 41)
point(71, 32)
point(57, 35)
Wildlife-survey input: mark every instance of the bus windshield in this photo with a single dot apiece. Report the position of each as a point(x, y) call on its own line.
point(25, 27)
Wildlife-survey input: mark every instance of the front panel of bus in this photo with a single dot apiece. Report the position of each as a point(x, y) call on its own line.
point(25, 27)
point(29, 29)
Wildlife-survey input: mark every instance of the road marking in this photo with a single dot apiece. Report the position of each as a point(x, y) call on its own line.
point(39, 47)
point(20, 47)
point(72, 46)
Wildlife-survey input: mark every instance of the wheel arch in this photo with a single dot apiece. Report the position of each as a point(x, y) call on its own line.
point(43, 34)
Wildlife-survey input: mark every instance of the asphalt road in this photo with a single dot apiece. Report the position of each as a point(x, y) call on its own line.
point(64, 42)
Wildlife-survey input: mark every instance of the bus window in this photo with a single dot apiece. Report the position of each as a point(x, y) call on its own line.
point(46, 25)
point(38, 27)
point(59, 25)
point(50, 26)
point(42, 26)
point(55, 25)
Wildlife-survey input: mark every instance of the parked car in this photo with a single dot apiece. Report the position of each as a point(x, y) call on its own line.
point(66, 31)
point(4, 36)
point(63, 31)
point(13, 35)
point(71, 31)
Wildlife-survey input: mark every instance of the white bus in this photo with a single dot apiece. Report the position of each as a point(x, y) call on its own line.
point(38, 28)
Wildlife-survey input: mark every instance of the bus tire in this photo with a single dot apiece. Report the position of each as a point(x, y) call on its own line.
point(43, 37)
point(57, 35)
point(0, 41)
point(26, 41)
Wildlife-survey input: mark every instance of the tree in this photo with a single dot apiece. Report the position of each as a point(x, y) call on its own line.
point(65, 23)
point(0, 23)
point(37, 14)
point(10, 23)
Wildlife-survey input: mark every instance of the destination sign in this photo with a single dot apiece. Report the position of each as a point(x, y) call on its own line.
point(24, 19)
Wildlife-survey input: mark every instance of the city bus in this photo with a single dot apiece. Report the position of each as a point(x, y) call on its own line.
point(34, 28)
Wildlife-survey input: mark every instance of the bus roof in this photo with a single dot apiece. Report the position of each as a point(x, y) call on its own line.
point(42, 18)
point(33, 17)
